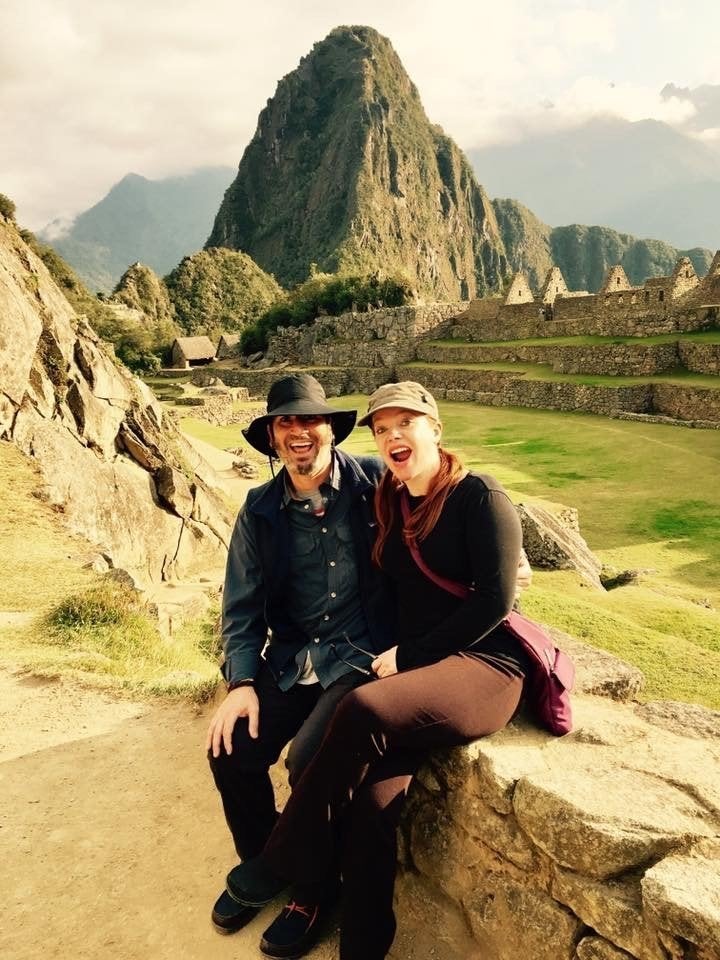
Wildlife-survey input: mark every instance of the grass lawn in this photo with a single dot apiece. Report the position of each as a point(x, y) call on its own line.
point(648, 499)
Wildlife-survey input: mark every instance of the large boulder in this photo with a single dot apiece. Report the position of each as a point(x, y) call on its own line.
point(600, 845)
point(117, 469)
point(553, 542)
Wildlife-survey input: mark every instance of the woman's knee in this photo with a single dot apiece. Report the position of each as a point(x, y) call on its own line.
point(358, 712)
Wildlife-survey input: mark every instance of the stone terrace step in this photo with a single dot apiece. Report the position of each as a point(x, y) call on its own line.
point(611, 359)
point(505, 388)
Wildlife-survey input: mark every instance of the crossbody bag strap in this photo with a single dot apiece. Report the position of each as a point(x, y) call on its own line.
point(452, 586)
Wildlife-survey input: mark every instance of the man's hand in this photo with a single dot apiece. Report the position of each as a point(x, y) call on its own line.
point(240, 702)
point(386, 664)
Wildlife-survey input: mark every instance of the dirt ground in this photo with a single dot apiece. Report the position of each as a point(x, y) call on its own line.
point(112, 839)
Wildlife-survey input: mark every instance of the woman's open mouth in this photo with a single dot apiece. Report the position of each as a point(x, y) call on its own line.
point(400, 454)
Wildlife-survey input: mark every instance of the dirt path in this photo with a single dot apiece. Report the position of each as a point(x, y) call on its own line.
point(112, 840)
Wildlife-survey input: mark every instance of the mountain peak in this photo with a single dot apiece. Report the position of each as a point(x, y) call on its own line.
point(346, 171)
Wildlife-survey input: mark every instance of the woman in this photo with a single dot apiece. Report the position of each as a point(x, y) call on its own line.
point(454, 675)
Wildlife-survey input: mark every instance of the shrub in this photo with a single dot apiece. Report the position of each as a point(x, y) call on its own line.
point(7, 207)
point(331, 294)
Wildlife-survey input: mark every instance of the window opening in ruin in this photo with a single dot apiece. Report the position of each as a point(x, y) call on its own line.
point(661, 295)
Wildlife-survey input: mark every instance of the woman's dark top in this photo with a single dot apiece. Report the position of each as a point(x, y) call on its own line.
point(476, 541)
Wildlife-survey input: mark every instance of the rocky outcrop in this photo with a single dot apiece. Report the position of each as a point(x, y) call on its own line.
point(602, 844)
point(345, 171)
point(553, 542)
point(140, 288)
point(107, 455)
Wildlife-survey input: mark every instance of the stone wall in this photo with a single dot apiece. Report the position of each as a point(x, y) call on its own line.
point(686, 403)
point(506, 389)
point(336, 381)
point(700, 357)
point(497, 388)
point(601, 845)
point(573, 317)
point(611, 359)
point(363, 339)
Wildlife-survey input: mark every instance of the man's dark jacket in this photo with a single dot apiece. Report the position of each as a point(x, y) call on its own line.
point(247, 621)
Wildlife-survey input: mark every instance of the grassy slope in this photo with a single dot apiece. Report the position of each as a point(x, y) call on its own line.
point(647, 500)
point(43, 569)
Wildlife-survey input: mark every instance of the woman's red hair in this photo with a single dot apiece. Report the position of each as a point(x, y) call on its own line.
point(425, 516)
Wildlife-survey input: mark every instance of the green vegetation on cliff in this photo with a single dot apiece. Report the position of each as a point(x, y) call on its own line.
point(346, 171)
point(7, 207)
point(329, 294)
point(584, 254)
point(140, 288)
point(98, 314)
point(218, 291)
point(140, 341)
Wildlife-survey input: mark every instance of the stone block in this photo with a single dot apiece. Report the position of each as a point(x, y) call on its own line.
point(584, 813)
point(613, 908)
point(510, 921)
point(431, 926)
point(682, 893)
point(595, 948)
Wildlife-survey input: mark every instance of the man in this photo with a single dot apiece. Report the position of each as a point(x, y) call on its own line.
point(301, 590)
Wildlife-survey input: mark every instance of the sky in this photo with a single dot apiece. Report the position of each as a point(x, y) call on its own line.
point(91, 90)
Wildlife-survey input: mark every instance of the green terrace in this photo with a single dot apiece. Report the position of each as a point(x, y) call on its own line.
point(541, 371)
point(702, 336)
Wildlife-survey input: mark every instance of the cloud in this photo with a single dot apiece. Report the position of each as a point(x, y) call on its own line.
point(91, 91)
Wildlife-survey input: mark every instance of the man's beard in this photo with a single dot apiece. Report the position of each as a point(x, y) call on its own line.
point(305, 469)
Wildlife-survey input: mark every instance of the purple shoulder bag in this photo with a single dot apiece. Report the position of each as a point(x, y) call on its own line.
point(548, 688)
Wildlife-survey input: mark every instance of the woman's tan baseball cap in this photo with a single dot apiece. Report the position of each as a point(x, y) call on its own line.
point(407, 395)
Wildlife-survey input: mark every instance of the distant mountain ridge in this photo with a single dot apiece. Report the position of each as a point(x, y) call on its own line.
point(155, 221)
point(584, 253)
point(345, 171)
point(644, 178)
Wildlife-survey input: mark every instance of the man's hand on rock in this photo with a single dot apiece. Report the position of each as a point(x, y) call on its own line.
point(240, 702)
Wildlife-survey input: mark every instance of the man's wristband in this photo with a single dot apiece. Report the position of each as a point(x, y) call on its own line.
point(234, 684)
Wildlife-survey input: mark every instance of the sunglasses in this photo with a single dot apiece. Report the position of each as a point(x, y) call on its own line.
point(364, 670)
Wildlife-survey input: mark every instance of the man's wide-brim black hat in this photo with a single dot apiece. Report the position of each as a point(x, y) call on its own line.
point(298, 394)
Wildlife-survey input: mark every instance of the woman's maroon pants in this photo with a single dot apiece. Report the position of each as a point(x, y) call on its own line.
point(346, 805)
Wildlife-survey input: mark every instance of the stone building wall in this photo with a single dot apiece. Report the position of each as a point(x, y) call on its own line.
point(631, 321)
point(386, 333)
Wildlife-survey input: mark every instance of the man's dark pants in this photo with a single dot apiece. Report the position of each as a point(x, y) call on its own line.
point(301, 714)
